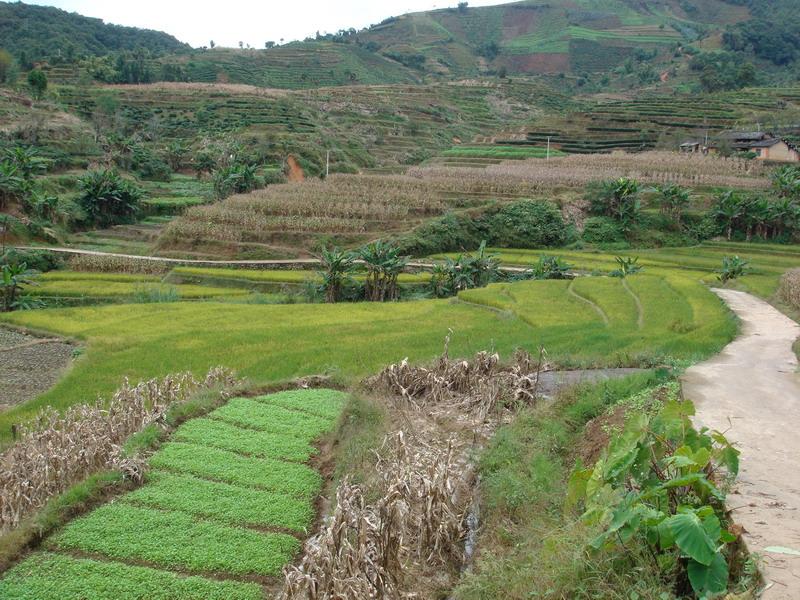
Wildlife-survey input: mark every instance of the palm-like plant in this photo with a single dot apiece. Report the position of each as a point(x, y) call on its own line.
point(13, 277)
point(618, 199)
point(733, 267)
point(107, 198)
point(786, 181)
point(384, 265)
point(727, 210)
point(12, 184)
point(673, 200)
point(28, 161)
point(337, 266)
point(627, 266)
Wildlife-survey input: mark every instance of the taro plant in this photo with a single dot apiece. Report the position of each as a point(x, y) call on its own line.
point(662, 481)
point(627, 266)
point(733, 267)
point(337, 265)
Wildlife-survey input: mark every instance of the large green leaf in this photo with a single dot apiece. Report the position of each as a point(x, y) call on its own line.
point(709, 579)
point(692, 538)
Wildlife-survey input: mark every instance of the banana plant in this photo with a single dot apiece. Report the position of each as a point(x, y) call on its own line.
point(13, 278)
point(337, 266)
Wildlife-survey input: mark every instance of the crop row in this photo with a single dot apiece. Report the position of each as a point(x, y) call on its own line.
point(222, 499)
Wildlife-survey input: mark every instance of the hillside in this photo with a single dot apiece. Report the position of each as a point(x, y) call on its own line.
point(39, 32)
point(547, 37)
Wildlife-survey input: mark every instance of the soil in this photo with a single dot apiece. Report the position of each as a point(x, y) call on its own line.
point(751, 392)
point(295, 170)
point(29, 366)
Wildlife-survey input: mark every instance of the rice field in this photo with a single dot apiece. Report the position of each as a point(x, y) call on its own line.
point(208, 522)
point(118, 287)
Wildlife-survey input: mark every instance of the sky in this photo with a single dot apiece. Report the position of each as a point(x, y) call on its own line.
point(253, 22)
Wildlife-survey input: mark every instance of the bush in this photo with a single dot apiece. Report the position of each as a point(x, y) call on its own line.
point(150, 166)
point(449, 233)
point(108, 199)
point(602, 230)
point(37, 260)
point(528, 224)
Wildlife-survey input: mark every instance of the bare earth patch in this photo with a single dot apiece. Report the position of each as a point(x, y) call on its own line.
point(29, 366)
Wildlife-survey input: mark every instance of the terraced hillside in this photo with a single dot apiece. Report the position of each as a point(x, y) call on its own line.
point(545, 37)
point(363, 126)
point(226, 504)
point(645, 122)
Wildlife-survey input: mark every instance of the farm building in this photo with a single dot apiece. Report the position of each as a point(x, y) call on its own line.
point(765, 146)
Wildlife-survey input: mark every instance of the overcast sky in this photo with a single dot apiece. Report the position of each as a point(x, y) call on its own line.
point(228, 22)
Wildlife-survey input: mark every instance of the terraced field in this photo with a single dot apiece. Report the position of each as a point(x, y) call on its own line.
point(640, 123)
point(224, 508)
point(594, 321)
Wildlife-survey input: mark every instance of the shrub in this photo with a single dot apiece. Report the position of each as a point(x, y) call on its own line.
point(449, 233)
point(617, 199)
point(528, 224)
point(150, 166)
point(107, 198)
point(37, 260)
point(602, 230)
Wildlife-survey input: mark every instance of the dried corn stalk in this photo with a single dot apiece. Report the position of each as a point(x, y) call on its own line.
point(56, 451)
point(366, 551)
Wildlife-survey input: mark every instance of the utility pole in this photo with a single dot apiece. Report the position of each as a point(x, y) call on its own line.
point(328, 164)
point(548, 147)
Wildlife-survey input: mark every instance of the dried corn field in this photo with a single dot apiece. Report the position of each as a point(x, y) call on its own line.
point(537, 176)
point(411, 540)
point(56, 451)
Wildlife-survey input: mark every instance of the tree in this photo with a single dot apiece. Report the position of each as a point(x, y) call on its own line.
point(269, 45)
point(211, 44)
point(384, 265)
point(618, 199)
point(241, 45)
point(337, 266)
point(8, 68)
point(673, 200)
point(727, 210)
point(462, 7)
point(37, 81)
point(107, 198)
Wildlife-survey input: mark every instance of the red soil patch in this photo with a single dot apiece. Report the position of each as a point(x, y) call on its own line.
point(295, 170)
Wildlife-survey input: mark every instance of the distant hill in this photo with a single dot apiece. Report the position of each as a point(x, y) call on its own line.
point(39, 32)
point(547, 36)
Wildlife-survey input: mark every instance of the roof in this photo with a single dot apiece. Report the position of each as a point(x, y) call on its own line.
point(769, 143)
point(746, 135)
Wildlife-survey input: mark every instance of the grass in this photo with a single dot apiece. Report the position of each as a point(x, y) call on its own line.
point(275, 276)
point(66, 284)
point(273, 343)
point(176, 540)
point(223, 502)
point(500, 152)
point(227, 467)
point(48, 576)
point(327, 404)
point(529, 548)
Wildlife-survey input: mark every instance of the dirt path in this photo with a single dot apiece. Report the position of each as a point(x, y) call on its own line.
point(752, 391)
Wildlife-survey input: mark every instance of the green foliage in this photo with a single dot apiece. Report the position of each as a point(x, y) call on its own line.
point(37, 82)
point(752, 215)
point(13, 280)
point(383, 264)
point(733, 267)
point(528, 224)
point(772, 36)
point(8, 68)
point(176, 539)
point(602, 230)
point(548, 267)
point(235, 179)
point(108, 199)
point(627, 265)
point(449, 233)
point(337, 267)
point(149, 165)
point(659, 481)
point(50, 576)
point(786, 181)
point(259, 444)
point(618, 200)
point(672, 200)
point(210, 463)
point(467, 271)
point(723, 71)
point(223, 502)
point(271, 418)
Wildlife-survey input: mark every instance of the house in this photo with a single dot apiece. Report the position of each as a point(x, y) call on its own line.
point(765, 146)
